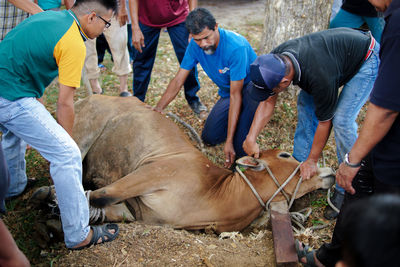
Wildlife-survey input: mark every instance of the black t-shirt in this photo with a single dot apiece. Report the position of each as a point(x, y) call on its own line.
point(386, 94)
point(327, 60)
point(360, 7)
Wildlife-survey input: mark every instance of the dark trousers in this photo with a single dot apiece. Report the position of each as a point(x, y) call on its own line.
point(143, 62)
point(216, 125)
point(101, 48)
point(365, 184)
point(129, 44)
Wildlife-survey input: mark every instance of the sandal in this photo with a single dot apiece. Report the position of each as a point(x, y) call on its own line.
point(101, 231)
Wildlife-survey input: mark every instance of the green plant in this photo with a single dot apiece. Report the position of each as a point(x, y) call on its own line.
point(320, 202)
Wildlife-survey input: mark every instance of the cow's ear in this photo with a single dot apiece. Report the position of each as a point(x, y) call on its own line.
point(250, 162)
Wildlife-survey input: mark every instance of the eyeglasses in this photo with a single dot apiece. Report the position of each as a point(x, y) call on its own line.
point(108, 24)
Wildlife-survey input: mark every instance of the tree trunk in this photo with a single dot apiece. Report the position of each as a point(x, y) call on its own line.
point(288, 19)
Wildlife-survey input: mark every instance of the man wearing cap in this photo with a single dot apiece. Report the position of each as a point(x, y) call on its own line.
point(319, 63)
point(226, 57)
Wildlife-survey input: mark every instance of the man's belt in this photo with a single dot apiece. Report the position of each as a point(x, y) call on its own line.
point(370, 48)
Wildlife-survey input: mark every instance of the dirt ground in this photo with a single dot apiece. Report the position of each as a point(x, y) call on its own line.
point(150, 245)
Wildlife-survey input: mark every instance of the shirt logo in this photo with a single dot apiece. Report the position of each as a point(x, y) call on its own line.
point(224, 70)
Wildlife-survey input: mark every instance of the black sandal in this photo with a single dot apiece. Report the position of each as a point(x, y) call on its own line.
point(101, 231)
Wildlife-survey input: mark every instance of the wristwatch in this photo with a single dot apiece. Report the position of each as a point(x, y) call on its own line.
point(348, 163)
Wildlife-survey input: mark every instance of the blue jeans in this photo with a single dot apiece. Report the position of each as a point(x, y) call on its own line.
point(143, 62)
point(216, 126)
point(347, 19)
point(351, 99)
point(27, 120)
point(4, 180)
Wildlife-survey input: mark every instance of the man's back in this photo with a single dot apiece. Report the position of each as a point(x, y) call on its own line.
point(31, 54)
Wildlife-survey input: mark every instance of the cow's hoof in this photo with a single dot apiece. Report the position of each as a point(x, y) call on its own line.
point(328, 177)
point(55, 229)
point(43, 194)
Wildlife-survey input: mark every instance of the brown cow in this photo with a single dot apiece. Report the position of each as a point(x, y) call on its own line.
point(138, 157)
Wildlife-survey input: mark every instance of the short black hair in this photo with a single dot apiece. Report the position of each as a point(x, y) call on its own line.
point(285, 60)
point(371, 231)
point(107, 4)
point(199, 19)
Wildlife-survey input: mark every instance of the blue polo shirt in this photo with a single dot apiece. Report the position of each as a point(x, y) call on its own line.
point(230, 62)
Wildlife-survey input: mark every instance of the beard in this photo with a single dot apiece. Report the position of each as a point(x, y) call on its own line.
point(209, 50)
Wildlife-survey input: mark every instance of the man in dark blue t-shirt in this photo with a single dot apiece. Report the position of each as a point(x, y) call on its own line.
point(373, 164)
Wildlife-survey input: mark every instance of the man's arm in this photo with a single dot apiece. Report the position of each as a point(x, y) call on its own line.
point(137, 35)
point(378, 122)
point(10, 255)
point(172, 90)
point(263, 115)
point(65, 108)
point(26, 6)
point(309, 168)
point(192, 4)
point(234, 111)
point(122, 13)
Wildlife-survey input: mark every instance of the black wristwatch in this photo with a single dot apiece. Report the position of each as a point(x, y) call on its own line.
point(348, 163)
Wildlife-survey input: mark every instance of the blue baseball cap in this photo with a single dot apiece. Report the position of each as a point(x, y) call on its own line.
point(266, 72)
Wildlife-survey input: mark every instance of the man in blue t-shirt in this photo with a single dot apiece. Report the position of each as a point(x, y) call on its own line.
point(226, 57)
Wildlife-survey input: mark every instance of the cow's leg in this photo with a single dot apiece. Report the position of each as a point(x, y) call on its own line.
point(118, 213)
point(145, 180)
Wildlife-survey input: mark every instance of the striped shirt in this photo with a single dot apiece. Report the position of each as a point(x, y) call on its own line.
point(10, 16)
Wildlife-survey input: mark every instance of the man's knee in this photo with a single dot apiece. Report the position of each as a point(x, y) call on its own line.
point(211, 138)
point(69, 153)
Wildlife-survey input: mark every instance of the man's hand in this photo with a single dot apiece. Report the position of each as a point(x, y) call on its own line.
point(159, 110)
point(344, 177)
point(229, 154)
point(251, 148)
point(137, 39)
point(122, 17)
point(122, 13)
point(308, 169)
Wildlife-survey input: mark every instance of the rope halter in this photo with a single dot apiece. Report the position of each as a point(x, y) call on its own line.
point(280, 187)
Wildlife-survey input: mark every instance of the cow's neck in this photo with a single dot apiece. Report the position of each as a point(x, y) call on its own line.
point(235, 203)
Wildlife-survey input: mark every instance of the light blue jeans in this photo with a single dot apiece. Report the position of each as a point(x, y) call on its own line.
point(351, 99)
point(26, 120)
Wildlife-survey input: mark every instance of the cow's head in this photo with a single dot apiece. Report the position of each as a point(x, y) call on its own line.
point(282, 165)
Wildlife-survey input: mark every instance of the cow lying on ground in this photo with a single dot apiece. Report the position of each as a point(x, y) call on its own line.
point(145, 168)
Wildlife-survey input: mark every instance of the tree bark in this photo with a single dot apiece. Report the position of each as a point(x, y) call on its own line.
point(288, 19)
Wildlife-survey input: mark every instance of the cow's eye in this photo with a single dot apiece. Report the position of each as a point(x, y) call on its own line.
point(284, 155)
